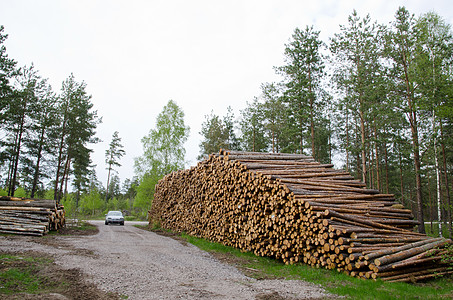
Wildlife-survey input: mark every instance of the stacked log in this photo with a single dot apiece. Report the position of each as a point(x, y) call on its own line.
point(295, 209)
point(27, 216)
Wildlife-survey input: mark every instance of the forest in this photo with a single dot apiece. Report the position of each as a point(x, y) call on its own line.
point(375, 100)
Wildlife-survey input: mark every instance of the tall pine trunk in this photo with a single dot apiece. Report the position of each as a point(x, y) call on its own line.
point(363, 141)
point(60, 153)
point(17, 152)
point(447, 187)
point(376, 148)
point(108, 182)
point(38, 162)
point(417, 165)
point(415, 145)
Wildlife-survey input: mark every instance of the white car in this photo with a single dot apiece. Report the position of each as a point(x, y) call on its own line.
point(114, 217)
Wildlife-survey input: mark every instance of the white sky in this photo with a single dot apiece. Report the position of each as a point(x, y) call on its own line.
point(206, 55)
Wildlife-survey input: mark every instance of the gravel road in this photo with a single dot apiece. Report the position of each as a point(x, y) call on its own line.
point(144, 265)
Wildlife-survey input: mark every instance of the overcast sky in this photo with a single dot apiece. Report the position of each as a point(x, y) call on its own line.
point(134, 56)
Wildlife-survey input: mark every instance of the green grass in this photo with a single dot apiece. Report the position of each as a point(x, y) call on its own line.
point(18, 274)
point(333, 281)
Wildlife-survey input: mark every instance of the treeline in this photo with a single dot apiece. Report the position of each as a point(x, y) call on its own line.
point(375, 99)
point(45, 140)
point(44, 135)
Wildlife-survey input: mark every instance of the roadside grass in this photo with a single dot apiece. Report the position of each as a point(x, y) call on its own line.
point(18, 274)
point(334, 282)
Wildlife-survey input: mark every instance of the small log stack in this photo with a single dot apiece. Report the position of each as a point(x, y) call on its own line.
point(292, 208)
point(27, 216)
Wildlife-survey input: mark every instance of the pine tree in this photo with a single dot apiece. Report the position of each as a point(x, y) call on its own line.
point(252, 126)
point(215, 135)
point(402, 50)
point(78, 123)
point(302, 75)
point(357, 51)
point(112, 156)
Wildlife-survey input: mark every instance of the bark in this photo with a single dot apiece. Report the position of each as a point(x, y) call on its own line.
point(363, 148)
point(38, 162)
point(416, 148)
point(60, 153)
point(17, 152)
point(312, 122)
point(447, 187)
point(347, 141)
point(386, 169)
point(108, 182)
point(378, 176)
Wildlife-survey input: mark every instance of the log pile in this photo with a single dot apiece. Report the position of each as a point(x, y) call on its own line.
point(28, 216)
point(295, 209)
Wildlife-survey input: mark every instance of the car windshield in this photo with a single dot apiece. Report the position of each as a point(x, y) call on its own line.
point(115, 213)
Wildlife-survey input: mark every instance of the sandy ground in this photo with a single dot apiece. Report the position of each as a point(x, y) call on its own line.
point(144, 265)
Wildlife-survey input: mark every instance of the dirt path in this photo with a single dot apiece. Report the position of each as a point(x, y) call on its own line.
point(144, 265)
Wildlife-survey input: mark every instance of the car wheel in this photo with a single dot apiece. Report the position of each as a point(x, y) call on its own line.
point(106, 223)
point(122, 223)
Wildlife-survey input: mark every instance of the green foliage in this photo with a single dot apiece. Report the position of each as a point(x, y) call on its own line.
point(3, 192)
point(145, 193)
point(303, 94)
point(43, 133)
point(275, 116)
point(115, 203)
point(91, 203)
point(164, 146)
point(76, 130)
point(20, 192)
point(215, 136)
point(112, 157)
point(253, 130)
point(163, 153)
point(69, 203)
point(49, 194)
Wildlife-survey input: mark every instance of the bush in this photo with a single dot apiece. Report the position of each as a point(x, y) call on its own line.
point(20, 193)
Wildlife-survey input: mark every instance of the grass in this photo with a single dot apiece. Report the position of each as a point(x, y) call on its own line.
point(333, 281)
point(18, 274)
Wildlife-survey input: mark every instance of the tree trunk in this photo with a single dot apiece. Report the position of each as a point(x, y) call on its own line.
point(447, 187)
point(60, 153)
point(347, 141)
point(418, 179)
point(438, 189)
point(65, 171)
point(312, 122)
point(401, 177)
point(363, 140)
point(376, 148)
point(17, 152)
point(386, 168)
point(38, 161)
point(11, 167)
point(416, 146)
point(108, 182)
